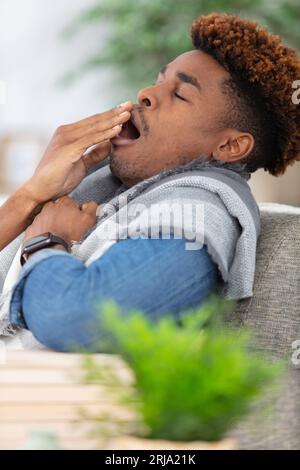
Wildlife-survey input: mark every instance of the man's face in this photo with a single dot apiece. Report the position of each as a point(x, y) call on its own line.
point(177, 118)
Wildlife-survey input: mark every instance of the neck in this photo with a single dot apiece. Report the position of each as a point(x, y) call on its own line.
point(203, 162)
point(196, 164)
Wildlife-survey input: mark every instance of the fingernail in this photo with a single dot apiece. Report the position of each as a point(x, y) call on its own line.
point(117, 127)
point(123, 104)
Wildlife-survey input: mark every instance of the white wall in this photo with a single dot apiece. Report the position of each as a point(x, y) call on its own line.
point(33, 57)
point(284, 189)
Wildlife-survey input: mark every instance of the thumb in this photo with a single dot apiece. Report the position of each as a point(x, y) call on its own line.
point(97, 154)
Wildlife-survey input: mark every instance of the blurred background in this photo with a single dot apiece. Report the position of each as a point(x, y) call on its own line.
point(62, 61)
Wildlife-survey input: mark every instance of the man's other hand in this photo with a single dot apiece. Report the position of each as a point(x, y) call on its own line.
point(64, 219)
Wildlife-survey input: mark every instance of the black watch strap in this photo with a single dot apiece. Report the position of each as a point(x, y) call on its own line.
point(45, 240)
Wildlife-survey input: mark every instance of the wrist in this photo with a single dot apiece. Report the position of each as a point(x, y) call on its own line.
point(25, 202)
point(31, 193)
point(40, 242)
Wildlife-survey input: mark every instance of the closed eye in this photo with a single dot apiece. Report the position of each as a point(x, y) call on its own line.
point(180, 97)
point(175, 94)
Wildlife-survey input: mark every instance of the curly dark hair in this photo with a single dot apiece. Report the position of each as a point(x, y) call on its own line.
point(262, 71)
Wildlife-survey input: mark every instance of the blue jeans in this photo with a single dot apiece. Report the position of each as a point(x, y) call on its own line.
point(58, 297)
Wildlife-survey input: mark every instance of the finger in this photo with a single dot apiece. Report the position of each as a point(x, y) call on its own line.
point(97, 154)
point(93, 139)
point(100, 126)
point(66, 201)
point(46, 206)
point(99, 117)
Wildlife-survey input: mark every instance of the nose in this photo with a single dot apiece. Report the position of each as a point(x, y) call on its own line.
point(148, 97)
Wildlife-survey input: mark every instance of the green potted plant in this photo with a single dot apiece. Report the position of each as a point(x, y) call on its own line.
point(193, 377)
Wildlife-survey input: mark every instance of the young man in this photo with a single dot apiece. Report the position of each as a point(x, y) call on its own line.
point(215, 114)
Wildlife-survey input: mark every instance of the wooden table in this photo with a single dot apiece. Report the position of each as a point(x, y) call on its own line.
point(43, 391)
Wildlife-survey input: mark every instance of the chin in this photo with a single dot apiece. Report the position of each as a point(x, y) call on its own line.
point(119, 169)
point(113, 165)
point(123, 157)
point(125, 169)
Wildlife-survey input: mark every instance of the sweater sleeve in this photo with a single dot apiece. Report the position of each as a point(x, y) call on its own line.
point(58, 298)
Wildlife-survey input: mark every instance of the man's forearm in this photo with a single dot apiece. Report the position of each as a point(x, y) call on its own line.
point(17, 213)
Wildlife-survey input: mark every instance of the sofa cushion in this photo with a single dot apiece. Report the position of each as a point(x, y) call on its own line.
point(273, 314)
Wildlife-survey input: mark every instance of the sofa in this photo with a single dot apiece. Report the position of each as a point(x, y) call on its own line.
point(273, 314)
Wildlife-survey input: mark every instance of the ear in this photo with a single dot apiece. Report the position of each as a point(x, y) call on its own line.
point(234, 146)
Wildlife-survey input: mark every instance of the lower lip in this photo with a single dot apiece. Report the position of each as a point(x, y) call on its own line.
point(118, 140)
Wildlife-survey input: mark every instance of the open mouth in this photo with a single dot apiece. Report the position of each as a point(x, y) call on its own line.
point(128, 134)
point(130, 130)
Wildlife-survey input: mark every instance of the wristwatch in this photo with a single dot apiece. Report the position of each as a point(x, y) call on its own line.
point(45, 240)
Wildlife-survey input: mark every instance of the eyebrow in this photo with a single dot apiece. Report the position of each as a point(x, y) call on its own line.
point(183, 77)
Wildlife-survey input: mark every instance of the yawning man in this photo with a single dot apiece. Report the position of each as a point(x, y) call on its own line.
point(168, 218)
